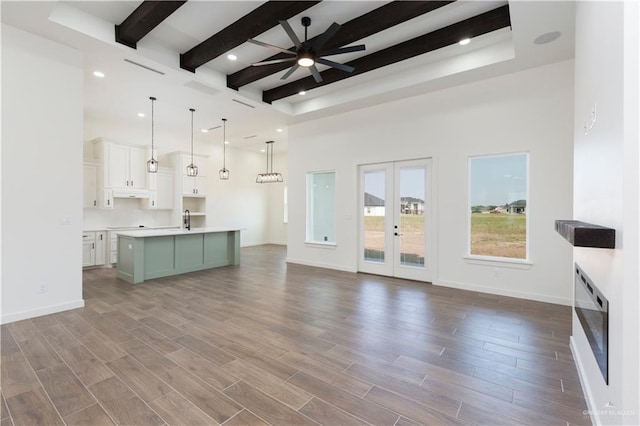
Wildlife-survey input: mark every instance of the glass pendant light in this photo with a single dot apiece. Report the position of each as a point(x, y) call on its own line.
point(224, 172)
point(192, 169)
point(269, 176)
point(152, 165)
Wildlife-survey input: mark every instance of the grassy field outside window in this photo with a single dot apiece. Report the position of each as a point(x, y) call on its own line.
point(498, 198)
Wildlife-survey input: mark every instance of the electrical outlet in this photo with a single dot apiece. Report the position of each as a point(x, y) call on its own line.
point(43, 288)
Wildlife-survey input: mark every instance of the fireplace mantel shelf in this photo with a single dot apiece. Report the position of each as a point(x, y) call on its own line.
point(582, 234)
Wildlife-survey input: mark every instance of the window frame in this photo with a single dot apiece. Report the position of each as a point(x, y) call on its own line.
point(510, 262)
point(309, 211)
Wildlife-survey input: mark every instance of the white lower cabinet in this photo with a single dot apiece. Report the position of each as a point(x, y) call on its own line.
point(93, 248)
point(88, 249)
point(113, 245)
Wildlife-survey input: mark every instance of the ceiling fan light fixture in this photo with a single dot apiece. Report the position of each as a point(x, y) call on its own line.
point(306, 60)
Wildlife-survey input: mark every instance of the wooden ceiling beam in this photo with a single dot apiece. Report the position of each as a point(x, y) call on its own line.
point(146, 17)
point(377, 20)
point(259, 20)
point(469, 28)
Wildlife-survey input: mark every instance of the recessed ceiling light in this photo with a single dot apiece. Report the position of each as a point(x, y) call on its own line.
point(262, 150)
point(302, 93)
point(226, 142)
point(99, 74)
point(205, 130)
point(279, 130)
point(464, 41)
point(141, 114)
point(231, 57)
point(547, 37)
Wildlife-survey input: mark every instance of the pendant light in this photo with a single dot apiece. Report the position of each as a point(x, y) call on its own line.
point(269, 176)
point(152, 165)
point(224, 172)
point(192, 169)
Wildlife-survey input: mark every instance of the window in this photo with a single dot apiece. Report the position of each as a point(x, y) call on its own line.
point(498, 195)
point(321, 217)
point(285, 197)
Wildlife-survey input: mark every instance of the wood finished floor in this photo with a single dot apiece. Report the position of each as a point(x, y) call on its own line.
point(266, 343)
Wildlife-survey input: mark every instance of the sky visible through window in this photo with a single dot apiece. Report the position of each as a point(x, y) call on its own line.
point(498, 180)
point(411, 184)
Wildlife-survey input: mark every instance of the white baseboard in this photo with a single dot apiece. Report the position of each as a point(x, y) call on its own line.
point(586, 389)
point(321, 265)
point(18, 316)
point(510, 293)
point(253, 243)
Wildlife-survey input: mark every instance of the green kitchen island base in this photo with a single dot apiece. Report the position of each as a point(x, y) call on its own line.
point(145, 255)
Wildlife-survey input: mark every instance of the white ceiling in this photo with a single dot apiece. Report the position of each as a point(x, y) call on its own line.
point(88, 26)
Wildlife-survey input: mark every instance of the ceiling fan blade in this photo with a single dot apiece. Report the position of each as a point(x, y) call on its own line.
point(275, 61)
point(290, 33)
point(340, 50)
point(342, 67)
point(320, 41)
point(271, 46)
point(315, 73)
point(291, 70)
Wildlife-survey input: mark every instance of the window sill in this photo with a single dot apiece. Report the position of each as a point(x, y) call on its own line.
point(498, 261)
point(320, 244)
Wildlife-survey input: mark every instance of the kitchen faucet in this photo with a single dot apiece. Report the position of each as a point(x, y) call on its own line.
point(187, 219)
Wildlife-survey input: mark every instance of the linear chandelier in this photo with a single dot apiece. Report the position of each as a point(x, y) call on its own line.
point(269, 176)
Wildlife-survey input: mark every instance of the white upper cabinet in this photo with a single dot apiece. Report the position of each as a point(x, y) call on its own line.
point(194, 186)
point(160, 190)
point(90, 185)
point(126, 166)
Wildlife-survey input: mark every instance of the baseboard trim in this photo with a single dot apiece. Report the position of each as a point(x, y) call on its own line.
point(53, 309)
point(253, 244)
point(584, 382)
point(509, 293)
point(321, 265)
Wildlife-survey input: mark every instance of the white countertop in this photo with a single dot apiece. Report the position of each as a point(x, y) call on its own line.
point(142, 233)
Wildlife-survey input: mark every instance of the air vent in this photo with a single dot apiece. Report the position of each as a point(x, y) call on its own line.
point(243, 103)
point(195, 85)
point(144, 66)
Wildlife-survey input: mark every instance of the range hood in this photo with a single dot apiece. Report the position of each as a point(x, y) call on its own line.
point(130, 193)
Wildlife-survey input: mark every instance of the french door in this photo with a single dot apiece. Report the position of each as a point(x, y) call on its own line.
point(395, 219)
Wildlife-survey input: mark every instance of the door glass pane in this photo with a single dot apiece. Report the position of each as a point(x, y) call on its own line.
point(374, 215)
point(412, 218)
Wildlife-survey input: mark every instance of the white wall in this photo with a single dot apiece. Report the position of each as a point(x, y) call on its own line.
point(606, 193)
point(277, 229)
point(528, 111)
point(237, 202)
point(41, 176)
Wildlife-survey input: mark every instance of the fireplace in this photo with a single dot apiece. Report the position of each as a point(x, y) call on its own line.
point(592, 309)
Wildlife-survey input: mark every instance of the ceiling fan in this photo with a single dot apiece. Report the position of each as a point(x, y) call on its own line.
point(309, 53)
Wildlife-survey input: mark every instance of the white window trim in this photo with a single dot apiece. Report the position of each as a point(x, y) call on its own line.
point(504, 262)
point(495, 260)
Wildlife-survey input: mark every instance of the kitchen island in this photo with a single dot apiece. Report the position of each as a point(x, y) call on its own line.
point(149, 254)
